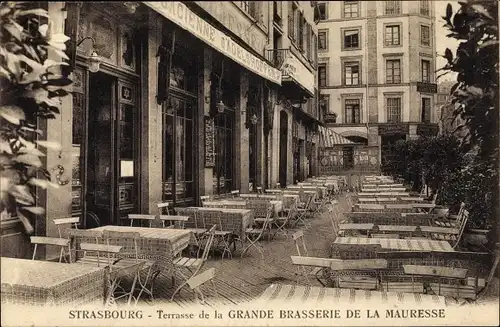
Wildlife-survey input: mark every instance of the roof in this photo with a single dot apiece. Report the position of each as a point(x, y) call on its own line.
point(329, 138)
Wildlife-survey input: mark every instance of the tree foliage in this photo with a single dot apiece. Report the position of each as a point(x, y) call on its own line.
point(31, 87)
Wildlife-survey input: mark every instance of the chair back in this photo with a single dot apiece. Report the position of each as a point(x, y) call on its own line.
point(148, 218)
point(260, 207)
point(193, 213)
point(235, 193)
point(461, 227)
point(100, 248)
point(55, 241)
point(163, 208)
point(127, 240)
point(72, 221)
point(208, 244)
point(200, 279)
point(85, 234)
point(300, 244)
point(259, 190)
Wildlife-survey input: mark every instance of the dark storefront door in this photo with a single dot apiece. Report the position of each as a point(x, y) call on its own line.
point(386, 144)
point(111, 174)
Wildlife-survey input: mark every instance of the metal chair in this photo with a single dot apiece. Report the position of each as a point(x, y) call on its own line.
point(254, 234)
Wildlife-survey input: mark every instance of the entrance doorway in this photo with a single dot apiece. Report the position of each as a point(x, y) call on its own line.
point(387, 141)
point(283, 152)
point(111, 153)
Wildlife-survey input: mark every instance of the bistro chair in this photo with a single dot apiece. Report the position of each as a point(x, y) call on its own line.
point(60, 222)
point(254, 234)
point(148, 218)
point(52, 241)
point(195, 282)
point(204, 198)
point(317, 271)
point(222, 235)
point(163, 208)
point(290, 211)
point(235, 193)
point(259, 190)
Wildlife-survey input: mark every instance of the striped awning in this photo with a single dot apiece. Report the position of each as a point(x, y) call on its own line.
point(329, 138)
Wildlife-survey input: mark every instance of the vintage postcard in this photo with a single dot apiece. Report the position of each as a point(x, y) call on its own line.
point(249, 163)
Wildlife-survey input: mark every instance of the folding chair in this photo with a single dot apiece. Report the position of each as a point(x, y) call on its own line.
point(72, 221)
point(290, 210)
point(259, 190)
point(53, 241)
point(149, 218)
point(175, 221)
point(204, 198)
point(235, 193)
point(196, 281)
point(193, 265)
point(78, 236)
point(222, 236)
point(303, 211)
point(163, 208)
point(260, 208)
point(254, 234)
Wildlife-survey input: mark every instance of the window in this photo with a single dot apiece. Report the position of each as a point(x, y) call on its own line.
point(393, 71)
point(351, 73)
point(351, 39)
point(322, 75)
point(325, 103)
point(292, 9)
point(393, 110)
point(315, 50)
point(352, 111)
point(424, 7)
point(251, 7)
point(392, 36)
point(323, 40)
point(320, 12)
point(426, 110)
point(351, 9)
point(393, 7)
point(300, 34)
point(425, 35)
point(426, 66)
point(348, 157)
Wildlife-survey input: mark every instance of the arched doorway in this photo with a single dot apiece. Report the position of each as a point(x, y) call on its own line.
point(283, 167)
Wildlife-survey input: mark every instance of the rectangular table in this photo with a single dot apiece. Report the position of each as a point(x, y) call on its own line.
point(40, 283)
point(155, 242)
point(330, 296)
point(234, 220)
point(397, 244)
point(231, 204)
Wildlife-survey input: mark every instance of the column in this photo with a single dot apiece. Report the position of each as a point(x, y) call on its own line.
point(153, 120)
point(206, 180)
point(241, 137)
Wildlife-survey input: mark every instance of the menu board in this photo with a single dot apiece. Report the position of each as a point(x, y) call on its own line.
point(209, 142)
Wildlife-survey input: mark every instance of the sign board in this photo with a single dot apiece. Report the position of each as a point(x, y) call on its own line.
point(209, 142)
point(427, 129)
point(294, 69)
point(181, 15)
point(391, 129)
point(426, 87)
point(229, 15)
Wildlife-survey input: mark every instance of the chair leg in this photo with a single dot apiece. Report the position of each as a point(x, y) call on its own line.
point(132, 288)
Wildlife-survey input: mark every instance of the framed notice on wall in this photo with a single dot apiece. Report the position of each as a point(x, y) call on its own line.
point(209, 142)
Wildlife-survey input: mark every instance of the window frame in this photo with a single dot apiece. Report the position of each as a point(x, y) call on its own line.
point(425, 118)
point(353, 115)
point(357, 3)
point(425, 10)
point(397, 5)
point(346, 62)
point(429, 76)
point(422, 27)
point(400, 41)
point(325, 16)
point(391, 96)
point(387, 60)
point(325, 66)
point(349, 29)
point(325, 32)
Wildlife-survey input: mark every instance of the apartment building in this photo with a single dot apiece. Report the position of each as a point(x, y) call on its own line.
point(376, 68)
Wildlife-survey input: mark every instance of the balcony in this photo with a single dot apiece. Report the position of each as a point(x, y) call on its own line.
point(277, 57)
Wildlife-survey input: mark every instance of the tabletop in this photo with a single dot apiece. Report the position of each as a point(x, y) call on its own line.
point(315, 294)
point(171, 234)
point(44, 274)
point(398, 244)
point(438, 271)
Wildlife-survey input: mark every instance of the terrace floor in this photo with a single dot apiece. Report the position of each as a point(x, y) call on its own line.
point(244, 279)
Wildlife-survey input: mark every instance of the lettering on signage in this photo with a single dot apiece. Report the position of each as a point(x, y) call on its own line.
point(288, 70)
point(185, 18)
point(236, 23)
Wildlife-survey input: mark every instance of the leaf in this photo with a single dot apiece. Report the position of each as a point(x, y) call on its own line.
point(26, 223)
point(475, 90)
point(28, 159)
point(43, 29)
point(480, 9)
point(33, 151)
point(448, 55)
point(59, 38)
point(36, 12)
point(38, 182)
point(63, 81)
point(36, 66)
point(22, 194)
point(14, 31)
point(61, 53)
point(35, 210)
point(449, 12)
point(488, 44)
point(51, 63)
point(49, 145)
point(12, 114)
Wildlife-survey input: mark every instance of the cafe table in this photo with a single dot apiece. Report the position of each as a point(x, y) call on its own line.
point(234, 204)
point(154, 242)
point(329, 296)
point(234, 220)
point(398, 244)
point(43, 283)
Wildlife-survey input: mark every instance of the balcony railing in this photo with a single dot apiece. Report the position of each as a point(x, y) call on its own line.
point(277, 56)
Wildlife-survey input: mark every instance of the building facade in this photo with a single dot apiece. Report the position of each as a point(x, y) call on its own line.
point(378, 83)
point(188, 99)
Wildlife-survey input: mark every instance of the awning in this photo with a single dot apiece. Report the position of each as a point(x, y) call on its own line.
point(181, 15)
point(329, 138)
point(294, 70)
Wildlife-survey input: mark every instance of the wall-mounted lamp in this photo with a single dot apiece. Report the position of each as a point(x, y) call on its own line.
point(131, 6)
point(221, 107)
point(93, 60)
